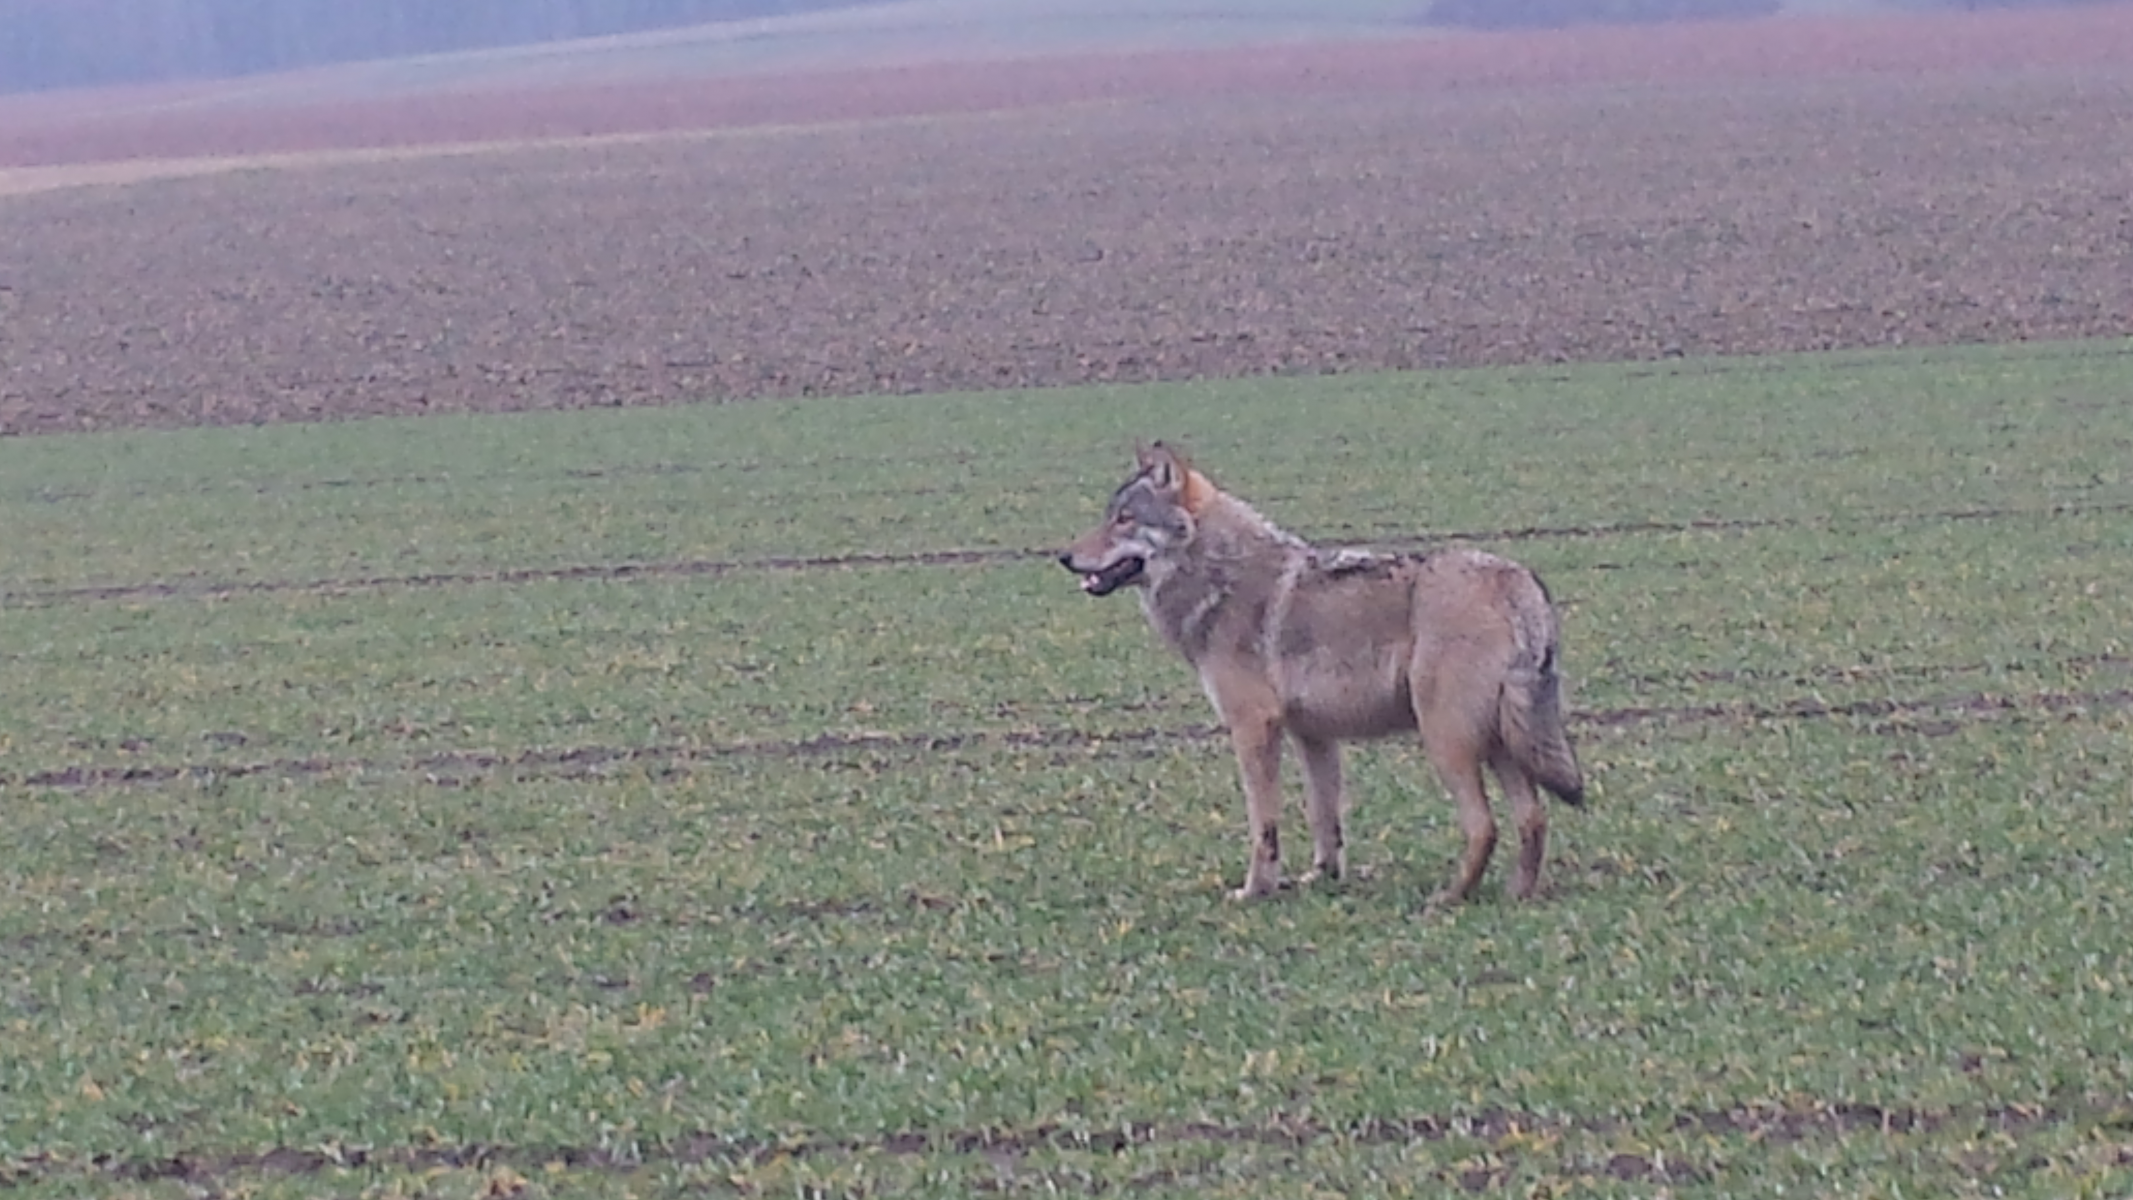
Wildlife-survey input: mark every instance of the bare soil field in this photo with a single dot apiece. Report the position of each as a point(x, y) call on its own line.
point(283, 114)
point(1638, 193)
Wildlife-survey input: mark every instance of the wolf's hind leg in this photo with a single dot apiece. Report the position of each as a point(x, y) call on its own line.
point(1323, 806)
point(1455, 751)
point(1531, 817)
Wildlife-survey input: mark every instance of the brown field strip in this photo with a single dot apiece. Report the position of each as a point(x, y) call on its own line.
point(1468, 202)
point(249, 118)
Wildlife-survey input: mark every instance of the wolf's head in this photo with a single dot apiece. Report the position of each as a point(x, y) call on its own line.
point(1152, 514)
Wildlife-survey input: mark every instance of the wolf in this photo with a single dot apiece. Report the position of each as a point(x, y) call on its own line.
point(1334, 645)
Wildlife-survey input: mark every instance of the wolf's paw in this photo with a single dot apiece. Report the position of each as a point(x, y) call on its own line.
point(1335, 873)
point(1443, 899)
point(1258, 890)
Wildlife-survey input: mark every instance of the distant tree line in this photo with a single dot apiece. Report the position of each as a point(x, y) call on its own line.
point(1541, 14)
point(73, 43)
point(70, 43)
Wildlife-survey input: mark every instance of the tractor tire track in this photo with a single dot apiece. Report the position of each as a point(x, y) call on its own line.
point(1509, 1133)
point(1915, 672)
point(267, 485)
point(1924, 716)
point(206, 589)
point(212, 589)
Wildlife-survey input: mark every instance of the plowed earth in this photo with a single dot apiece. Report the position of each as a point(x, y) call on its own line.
point(1471, 201)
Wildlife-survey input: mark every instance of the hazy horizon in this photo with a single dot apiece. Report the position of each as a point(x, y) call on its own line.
point(66, 44)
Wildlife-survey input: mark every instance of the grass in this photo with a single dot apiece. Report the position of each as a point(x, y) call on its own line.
point(736, 800)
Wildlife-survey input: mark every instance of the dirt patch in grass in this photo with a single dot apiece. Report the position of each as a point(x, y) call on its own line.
point(1419, 203)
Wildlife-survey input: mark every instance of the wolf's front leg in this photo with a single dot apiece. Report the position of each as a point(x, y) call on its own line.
point(1258, 745)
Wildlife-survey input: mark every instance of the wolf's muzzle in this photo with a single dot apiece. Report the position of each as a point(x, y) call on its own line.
point(1109, 579)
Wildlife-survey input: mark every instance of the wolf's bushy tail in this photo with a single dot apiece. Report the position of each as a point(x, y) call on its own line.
point(1531, 718)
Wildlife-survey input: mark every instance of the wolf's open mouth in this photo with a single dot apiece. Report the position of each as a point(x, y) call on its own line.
point(1113, 577)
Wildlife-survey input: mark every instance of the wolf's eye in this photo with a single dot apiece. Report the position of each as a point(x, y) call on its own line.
point(1121, 520)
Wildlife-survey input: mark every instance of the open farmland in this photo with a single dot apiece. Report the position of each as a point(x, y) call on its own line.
point(648, 86)
point(1368, 207)
point(734, 800)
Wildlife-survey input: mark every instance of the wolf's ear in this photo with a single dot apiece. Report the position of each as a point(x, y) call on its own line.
point(1162, 466)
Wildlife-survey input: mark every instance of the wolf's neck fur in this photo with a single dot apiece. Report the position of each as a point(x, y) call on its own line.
point(1235, 558)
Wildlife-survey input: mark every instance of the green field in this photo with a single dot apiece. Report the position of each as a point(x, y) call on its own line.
point(737, 800)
